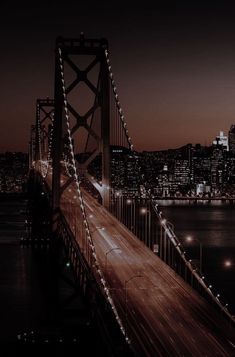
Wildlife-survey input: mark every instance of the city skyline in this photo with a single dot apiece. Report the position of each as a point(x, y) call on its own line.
point(208, 144)
point(174, 67)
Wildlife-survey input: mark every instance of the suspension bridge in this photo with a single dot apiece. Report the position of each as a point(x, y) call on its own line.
point(133, 269)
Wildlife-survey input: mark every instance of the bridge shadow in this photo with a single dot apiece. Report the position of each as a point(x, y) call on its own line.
point(67, 318)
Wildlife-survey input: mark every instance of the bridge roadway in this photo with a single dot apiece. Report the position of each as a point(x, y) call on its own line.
point(163, 315)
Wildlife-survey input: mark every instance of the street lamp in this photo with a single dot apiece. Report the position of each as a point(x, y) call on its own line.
point(191, 239)
point(147, 213)
point(164, 242)
point(167, 243)
point(162, 226)
point(228, 263)
point(132, 203)
point(129, 221)
point(106, 255)
point(125, 287)
point(119, 204)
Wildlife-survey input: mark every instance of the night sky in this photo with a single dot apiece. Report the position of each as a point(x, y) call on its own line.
point(174, 65)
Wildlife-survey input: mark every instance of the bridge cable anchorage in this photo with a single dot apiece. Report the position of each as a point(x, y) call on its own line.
point(117, 102)
point(82, 206)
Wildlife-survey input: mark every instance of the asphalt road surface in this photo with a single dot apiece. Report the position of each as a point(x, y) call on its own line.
point(162, 315)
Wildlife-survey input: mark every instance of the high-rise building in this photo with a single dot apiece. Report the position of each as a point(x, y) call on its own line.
point(125, 169)
point(182, 172)
point(221, 139)
point(231, 139)
point(217, 168)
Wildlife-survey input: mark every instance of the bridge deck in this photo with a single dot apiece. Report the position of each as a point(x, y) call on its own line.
point(163, 315)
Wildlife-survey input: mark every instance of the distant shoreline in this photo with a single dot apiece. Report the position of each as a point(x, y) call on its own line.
point(193, 202)
point(196, 198)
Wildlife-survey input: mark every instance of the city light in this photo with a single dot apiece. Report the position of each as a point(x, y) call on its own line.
point(143, 210)
point(190, 239)
point(228, 263)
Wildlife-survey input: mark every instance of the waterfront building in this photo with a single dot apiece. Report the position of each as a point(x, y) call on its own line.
point(202, 189)
point(230, 170)
point(201, 168)
point(217, 169)
point(182, 172)
point(163, 182)
point(132, 173)
point(231, 139)
point(125, 170)
point(117, 168)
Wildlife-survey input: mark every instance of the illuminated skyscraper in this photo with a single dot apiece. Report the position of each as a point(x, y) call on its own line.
point(221, 139)
point(231, 139)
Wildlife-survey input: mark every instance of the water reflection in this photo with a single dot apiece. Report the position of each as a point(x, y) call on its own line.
point(213, 225)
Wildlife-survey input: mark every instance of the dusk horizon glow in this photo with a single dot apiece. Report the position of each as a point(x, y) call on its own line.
point(174, 68)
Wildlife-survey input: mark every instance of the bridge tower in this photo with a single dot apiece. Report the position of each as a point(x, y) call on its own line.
point(44, 119)
point(32, 148)
point(68, 53)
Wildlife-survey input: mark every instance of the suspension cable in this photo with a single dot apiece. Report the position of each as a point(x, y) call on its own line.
point(117, 102)
point(82, 206)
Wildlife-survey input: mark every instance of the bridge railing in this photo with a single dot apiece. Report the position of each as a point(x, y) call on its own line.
point(195, 272)
point(144, 219)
